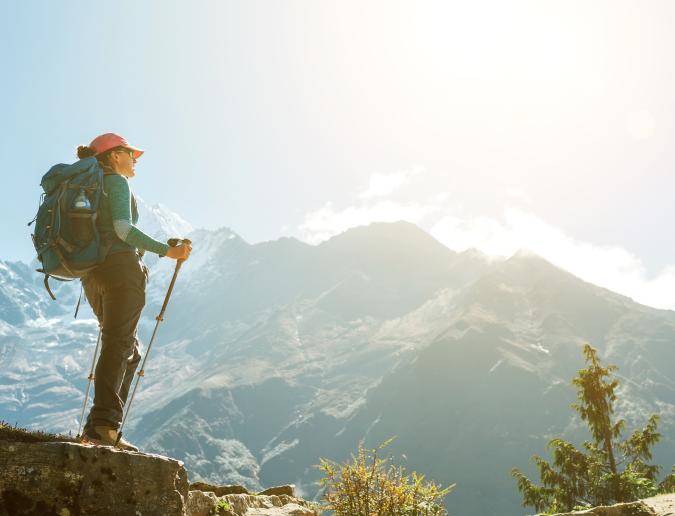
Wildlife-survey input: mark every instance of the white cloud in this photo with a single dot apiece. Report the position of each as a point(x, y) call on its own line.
point(326, 222)
point(381, 185)
point(611, 267)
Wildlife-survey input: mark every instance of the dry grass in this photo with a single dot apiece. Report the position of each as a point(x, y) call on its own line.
point(16, 434)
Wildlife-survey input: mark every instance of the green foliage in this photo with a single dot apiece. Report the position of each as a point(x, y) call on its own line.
point(222, 505)
point(372, 486)
point(608, 470)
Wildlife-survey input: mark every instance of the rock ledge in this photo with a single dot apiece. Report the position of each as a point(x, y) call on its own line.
point(68, 479)
point(662, 505)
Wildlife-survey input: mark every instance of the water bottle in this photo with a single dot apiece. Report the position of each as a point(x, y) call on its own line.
point(81, 218)
point(81, 202)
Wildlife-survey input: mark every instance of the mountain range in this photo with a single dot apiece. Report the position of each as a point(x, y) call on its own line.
point(275, 354)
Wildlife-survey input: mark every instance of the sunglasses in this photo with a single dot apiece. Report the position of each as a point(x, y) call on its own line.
point(128, 151)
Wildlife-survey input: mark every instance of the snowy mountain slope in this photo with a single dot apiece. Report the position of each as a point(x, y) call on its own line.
point(23, 296)
point(44, 368)
point(160, 222)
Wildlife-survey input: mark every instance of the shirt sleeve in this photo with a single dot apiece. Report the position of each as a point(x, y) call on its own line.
point(120, 206)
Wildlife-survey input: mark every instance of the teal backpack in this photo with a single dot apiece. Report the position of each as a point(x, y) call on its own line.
point(66, 239)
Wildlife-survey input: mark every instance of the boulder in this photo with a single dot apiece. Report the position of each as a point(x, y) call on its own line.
point(291, 509)
point(67, 478)
point(619, 509)
point(42, 476)
point(279, 490)
point(662, 505)
point(218, 490)
point(206, 503)
point(201, 503)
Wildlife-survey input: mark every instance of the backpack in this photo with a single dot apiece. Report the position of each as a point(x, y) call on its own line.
point(66, 239)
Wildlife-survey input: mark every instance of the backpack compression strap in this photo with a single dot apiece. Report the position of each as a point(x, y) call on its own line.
point(49, 290)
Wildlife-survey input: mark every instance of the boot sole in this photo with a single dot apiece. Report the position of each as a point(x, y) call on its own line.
point(96, 442)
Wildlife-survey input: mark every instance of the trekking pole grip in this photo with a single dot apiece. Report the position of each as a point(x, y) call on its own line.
point(173, 242)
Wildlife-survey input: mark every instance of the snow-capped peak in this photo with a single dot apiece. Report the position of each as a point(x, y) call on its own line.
point(160, 222)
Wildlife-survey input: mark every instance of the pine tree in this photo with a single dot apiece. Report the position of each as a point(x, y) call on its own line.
point(609, 470)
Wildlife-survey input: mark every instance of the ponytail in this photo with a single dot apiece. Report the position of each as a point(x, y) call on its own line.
point(85, 152)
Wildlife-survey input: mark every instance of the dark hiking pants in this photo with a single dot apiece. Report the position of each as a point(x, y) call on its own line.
point(116, 292)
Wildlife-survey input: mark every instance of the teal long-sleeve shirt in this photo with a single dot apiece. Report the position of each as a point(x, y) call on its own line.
point(118, 216)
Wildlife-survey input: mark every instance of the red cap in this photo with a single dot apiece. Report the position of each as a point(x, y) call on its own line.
point(109, 141)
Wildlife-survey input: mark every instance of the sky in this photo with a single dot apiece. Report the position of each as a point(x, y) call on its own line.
point(497, 125)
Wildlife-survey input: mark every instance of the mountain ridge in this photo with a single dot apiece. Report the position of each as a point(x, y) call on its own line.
point(352, 346)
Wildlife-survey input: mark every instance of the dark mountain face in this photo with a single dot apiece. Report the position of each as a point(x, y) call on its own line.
point(494, 386)
point(275, 354)
point(482, 414)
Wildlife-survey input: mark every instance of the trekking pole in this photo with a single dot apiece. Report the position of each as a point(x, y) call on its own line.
point(173, 243)
point(90, 378)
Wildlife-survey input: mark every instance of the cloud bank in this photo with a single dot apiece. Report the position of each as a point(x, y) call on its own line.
point(611, 267)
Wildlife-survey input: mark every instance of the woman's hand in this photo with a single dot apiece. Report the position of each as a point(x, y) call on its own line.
point(180, 252)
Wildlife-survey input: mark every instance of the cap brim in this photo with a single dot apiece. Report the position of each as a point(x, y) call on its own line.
point(137, 152)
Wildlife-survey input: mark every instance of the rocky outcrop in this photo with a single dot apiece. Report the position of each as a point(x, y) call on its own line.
point(219, 490)
point(663, 505)
point(275, 501)
point(68, 479)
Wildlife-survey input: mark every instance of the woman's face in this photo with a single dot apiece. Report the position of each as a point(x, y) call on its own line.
point(123, 162)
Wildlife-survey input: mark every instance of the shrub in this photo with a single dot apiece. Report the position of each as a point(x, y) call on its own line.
point(372, 486)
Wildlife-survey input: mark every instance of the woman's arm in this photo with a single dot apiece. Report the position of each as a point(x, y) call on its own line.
point(119, 194)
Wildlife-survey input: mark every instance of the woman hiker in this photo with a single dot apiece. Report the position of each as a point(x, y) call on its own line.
point(115, 289)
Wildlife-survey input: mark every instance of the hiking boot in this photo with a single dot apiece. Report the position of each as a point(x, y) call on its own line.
point(106, 436)
point(126, 445)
